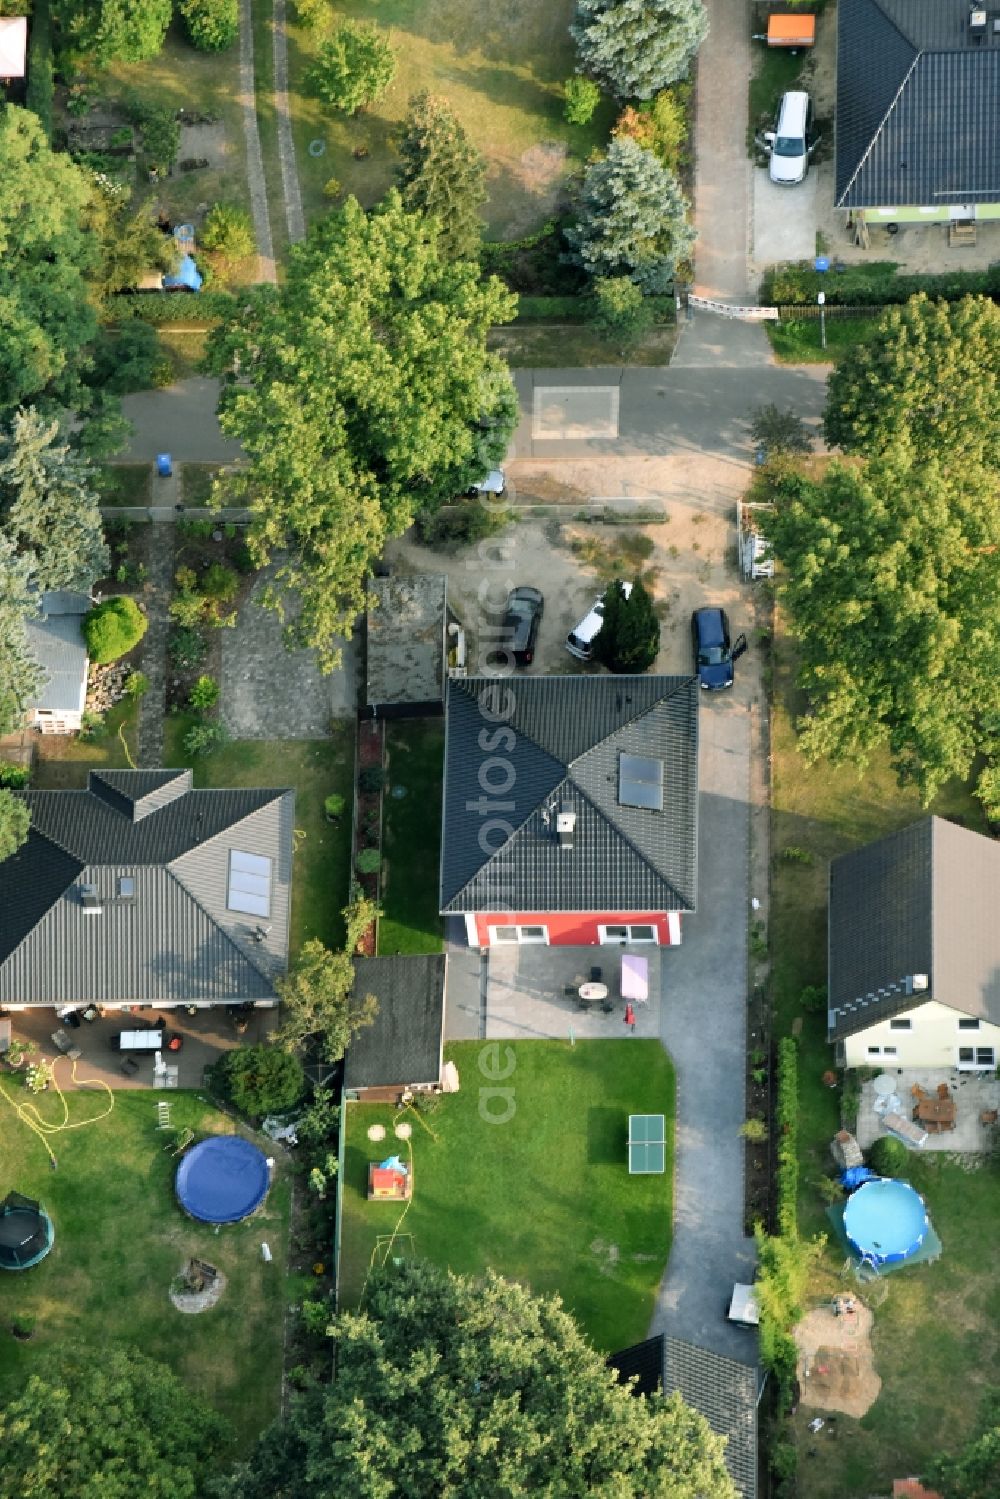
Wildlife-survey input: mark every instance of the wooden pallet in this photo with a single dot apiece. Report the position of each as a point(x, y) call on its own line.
point(961, 232)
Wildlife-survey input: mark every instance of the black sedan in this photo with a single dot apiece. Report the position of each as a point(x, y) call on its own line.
point(519, 627)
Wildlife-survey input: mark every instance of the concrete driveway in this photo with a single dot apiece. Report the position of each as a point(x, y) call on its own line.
point(784, 220)
point(703, 1026)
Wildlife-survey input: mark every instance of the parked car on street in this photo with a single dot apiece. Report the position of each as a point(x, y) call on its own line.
point(792, 141)
point(519, 627)
point(714, 649)
point(580, 640)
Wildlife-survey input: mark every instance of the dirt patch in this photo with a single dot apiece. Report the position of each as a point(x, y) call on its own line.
point(836, 1369)
point(193, 1302)
point(206, 143)
point(541, 167)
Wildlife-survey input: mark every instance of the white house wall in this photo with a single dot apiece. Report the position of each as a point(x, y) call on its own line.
point(932, 1040)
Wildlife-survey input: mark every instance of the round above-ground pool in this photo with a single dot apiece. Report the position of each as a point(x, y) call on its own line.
point(885, 1220)
point(222, 1179)
point(26, 1233)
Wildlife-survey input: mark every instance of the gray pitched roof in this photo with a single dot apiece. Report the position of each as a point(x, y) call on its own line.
point(725, 1393)
point(174, 939)
point(922, 901)
point(406, 639)
point(518, 752)
point(404, 1045)
point(917, 102)
point(57, 645)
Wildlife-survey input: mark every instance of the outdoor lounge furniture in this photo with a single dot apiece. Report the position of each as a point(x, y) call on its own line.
point(63, 1042)
point(988, 1116)
point(913, 1134)
point(936, 1113)
point(5, 1034)
point(943, 1091)
point(635, 978)
point(591, 993)
point(596, 974)
point(918, 1093)
point(130, 1066)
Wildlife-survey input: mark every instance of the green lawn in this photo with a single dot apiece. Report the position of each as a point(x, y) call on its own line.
point(196, 483)
point(124, 483)
point(544, 1198)
point(322, 850)
point(65, 760)
point(550, 346)
point(412, 837)
point(948, 1310)
point(500, 68)
point(797, 341)
point(119, 1241)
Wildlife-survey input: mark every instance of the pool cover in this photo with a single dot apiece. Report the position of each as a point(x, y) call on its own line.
point(222, 1180)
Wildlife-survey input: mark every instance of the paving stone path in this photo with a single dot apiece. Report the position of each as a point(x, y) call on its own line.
point(267, 270)
point(159, 586)
point(294, 216)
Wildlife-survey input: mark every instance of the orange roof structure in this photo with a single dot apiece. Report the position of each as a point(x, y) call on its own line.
point(912, 1488)
point(791, 31)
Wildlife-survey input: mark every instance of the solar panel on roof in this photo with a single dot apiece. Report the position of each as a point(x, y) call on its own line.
point(640, 782)
point(249, 883)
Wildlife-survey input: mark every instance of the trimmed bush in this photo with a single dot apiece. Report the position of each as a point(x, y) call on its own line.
point(13, 777)
point(113, 628)
point(582, 96)
point(186, 647)
point(40, 90)
point(369, 861)
point(786, 1119)
point(204, 694)
point(888, 1156)
point(259, 1080)
point(872, 284)
point(372, 778)
point(210, 25)
point(165, 307)
point(228, 229)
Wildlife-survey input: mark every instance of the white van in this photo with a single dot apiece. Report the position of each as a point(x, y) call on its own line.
point(580, 640)
point(790, 143)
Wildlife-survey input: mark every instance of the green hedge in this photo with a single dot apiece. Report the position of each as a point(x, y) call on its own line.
point(876, 282)
point(786, 1119)
point(188, 309)
point(577, 309)
point(39, 94)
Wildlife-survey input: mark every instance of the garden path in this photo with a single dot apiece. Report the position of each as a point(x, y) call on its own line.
point(267, 271)
point(294, 215)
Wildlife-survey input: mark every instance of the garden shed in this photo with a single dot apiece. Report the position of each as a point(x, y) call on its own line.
point(407, 645)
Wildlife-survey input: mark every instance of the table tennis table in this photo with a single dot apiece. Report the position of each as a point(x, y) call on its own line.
point(647, 1144)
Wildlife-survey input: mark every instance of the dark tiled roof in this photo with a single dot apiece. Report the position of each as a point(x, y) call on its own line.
point(174, 939)
point(403, 1046)
point(917, 102)
point(558, 745)
point(642, 1362)
point(921, 901)
point(725, 1393)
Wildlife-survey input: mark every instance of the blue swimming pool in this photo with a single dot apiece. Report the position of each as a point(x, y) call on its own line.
point(885, 1220)
point(223, 1179)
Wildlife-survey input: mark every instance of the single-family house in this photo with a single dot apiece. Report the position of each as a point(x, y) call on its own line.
point(918, 86)
point(13, 47)
point(724, 1391)
point(570, 809)
point(56, 642)
point(402, 1051)
point(141, 890)
point(914, 950)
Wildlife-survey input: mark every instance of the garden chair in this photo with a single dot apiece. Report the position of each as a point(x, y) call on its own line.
point(596, 975)
point(918, 1093)
point(943, 1091)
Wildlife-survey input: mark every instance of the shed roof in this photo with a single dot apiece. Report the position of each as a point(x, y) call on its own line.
point(404, 1044)
point(13, 46)
point(725, 1392)
point(57, 645)
point(406, 639)
point(922, 901)
point(515, 759)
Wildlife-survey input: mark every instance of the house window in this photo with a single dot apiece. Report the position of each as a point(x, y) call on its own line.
point(874, 1051)
point(126, 887)
point(622, 934)
point(968, 1025)
point(976, 1056)
point(888, 1051)
point(900, 1025)
point(520, 934)
point(249, 883)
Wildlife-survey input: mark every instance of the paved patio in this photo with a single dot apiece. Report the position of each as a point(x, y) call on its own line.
point(972, 1092)
point(526, 999)
point(205, 1035)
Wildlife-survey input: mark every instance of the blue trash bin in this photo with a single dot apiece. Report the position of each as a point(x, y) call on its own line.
point(164, 466)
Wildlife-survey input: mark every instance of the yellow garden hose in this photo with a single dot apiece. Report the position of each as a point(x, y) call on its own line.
point(28, 1112)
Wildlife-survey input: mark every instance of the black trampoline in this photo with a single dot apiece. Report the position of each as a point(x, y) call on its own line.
point(25, 1232)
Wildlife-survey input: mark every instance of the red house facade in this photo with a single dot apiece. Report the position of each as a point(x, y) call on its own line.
point(570, 809)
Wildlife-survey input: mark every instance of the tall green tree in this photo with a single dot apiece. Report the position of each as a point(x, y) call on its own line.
point(366, 395)
point(441, 174)
point(448, 1388)
point(891, 580)
point(353, 67)
point(929, 377)
point(49, 506)
point(105, 1424)
point(321, 1002)
point(632, 219)
point(629, 637)
point(635, 47)
point(46, 319)
point(15, 820)
point(20, 675)
point(112, 30)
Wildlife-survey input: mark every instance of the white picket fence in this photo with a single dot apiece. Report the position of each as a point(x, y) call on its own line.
point(727, 309)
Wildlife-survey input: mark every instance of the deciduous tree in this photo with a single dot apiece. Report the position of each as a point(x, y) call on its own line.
point(366, 395)
point(448, 1388)
point(210, 25)
point(112, 30)
point(48, 504)
point(891, 580)
point(260, 1080)
point(353, 67)
point(629, 637)
point(930, 377)
point(20, 675)
point(106, 1424)
point(632, 219)
point(635, 47)
point(15, 820)
point(322, 1001)
point(442, 174)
